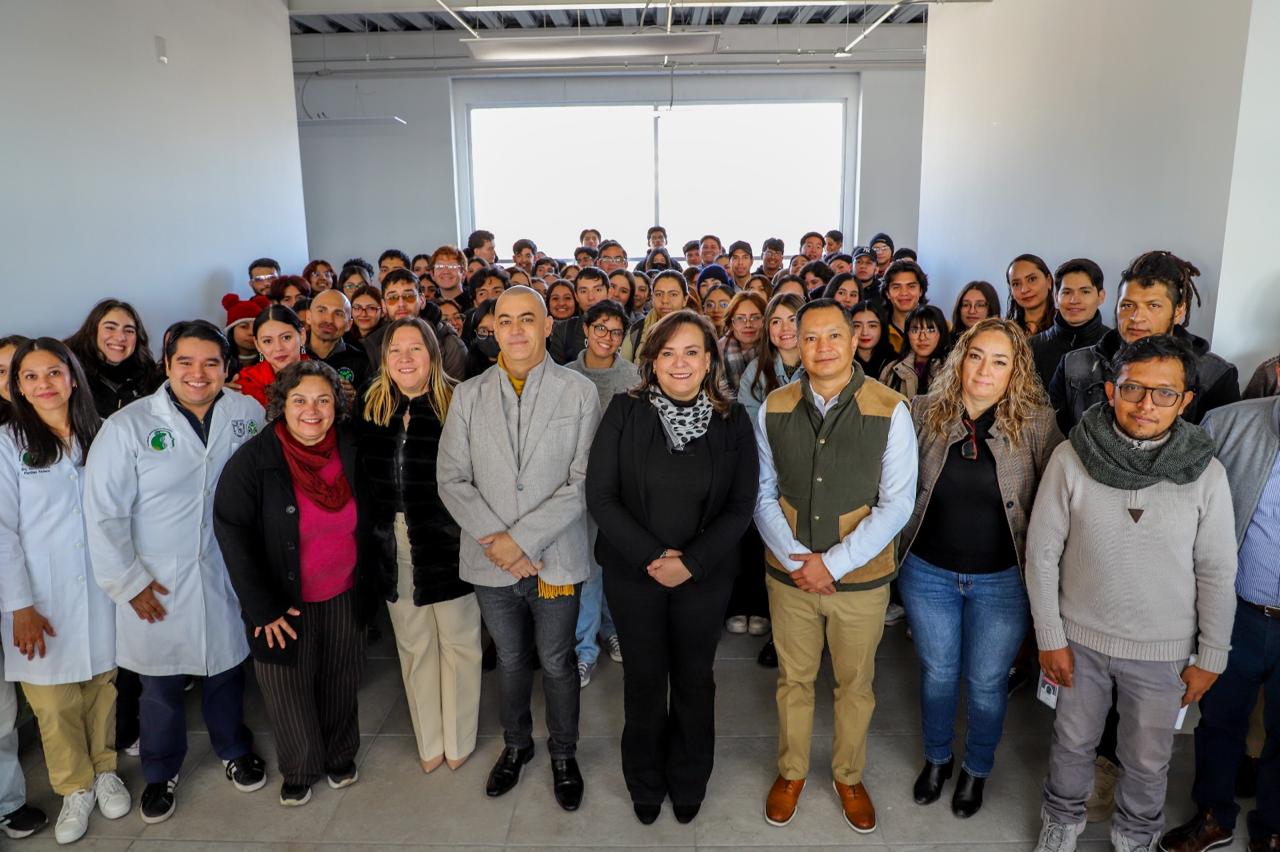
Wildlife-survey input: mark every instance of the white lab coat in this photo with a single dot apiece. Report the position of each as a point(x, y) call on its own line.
point(149, 508)
point(44, 562)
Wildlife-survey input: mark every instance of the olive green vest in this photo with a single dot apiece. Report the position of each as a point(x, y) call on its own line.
point(829, 469)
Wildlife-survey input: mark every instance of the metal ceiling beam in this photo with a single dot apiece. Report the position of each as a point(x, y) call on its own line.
point(525, 20)
point(630, 18)
point(768, 15)
point(352, 23)
point(559, 17)
point(838, 15)
point(359, 7)
point(805, 14)
point(734, 16)
point(699, 16)
point(491, 20)
point(421, 20)
point(319, 23)
point(594, 18)
point(384, 22)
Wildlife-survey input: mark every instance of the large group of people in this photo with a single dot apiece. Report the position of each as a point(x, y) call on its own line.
point(536, 463)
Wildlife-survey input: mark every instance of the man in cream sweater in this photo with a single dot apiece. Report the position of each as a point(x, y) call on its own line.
point(1131, 563)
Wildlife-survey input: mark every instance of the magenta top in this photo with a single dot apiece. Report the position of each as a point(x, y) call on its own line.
point(326, 543)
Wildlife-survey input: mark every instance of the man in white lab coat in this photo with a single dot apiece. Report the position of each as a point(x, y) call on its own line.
point(148, 503)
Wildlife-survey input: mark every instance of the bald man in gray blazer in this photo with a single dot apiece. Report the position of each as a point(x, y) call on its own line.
point(511, 471)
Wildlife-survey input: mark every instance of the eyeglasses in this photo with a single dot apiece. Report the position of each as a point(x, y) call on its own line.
point(365, 309)
point(741, 320)
point(392, 298)
point(724, 305)
point(772, 253)
point(319, 274)
point(600, 330)
point(264, 278)
point(969, 449)
point(923, 331)
point(1161, 397)
point(482, 333)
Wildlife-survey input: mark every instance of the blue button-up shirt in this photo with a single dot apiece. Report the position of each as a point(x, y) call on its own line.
point(1258, 577)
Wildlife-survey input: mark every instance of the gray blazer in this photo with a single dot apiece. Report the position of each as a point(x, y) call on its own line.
point(1247, 435)
point(519, 463)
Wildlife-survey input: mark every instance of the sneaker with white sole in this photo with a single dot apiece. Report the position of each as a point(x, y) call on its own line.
point(1120, 843)
point(758, 625)
point(134, 750)
point(158, 801)
point(614, 647)
point(73, 821)
point(1058, 836)
point(113, 796)
point(247, 772)
point(294, 795)
point(893, 614)
point(585, 670)
point(344, 777)
point(736, 624)
point(23, 822)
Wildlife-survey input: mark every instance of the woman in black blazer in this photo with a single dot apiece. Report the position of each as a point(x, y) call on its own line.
point(672, 483)
point(287, 520)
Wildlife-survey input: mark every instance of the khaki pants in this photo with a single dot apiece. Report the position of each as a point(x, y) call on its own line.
point(852, 624)
point(77, 729)
point(439, 649)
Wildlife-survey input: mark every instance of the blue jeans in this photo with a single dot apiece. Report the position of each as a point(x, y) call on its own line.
point(594, 618)
point(1224, 723)
point(966, 626)
point(522, 625)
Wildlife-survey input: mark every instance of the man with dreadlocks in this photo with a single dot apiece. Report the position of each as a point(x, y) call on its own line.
point(1155, 298)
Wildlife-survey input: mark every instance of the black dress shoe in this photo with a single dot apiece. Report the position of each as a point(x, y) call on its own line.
point(647, 814)
point(685, 813)
point(930, 780)
point(768, 656)
point(967, 798)
point(506, 772)
point(566, 780)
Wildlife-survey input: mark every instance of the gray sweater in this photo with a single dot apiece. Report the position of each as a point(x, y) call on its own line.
point(619, 378)
point(1157, 588)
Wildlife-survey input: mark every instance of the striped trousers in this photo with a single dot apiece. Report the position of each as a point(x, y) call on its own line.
point(312, 704)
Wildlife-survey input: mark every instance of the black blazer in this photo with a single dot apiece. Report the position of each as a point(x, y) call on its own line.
point(255, 518)
point(399, 468)
point(618, 498)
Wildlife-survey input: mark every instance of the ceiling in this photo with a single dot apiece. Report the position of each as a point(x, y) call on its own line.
point(603, 18)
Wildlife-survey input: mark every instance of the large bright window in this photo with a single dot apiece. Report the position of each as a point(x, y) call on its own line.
point(742, 171)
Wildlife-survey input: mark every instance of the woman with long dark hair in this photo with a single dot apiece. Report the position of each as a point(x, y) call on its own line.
point(59, 621)
point(925, 350)
point(281, 340)
point(671, 481)
point(1030, 293)
point(743, 336)
point(871, 337)
point(115, 353)
point(977, 301)
point(8, 346)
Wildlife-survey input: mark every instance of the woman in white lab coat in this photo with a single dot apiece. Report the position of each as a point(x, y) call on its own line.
point(58, 626)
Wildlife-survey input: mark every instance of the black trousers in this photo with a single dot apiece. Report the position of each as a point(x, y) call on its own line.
point(670, 636)
point(750, 597)
point(313, 704)
point(128, 691)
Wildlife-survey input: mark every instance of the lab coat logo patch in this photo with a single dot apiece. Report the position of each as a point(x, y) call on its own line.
point(253, 427)
point(237, 428)
point(160, 440)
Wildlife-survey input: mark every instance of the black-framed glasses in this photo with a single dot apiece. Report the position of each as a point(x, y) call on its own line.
point(482, 332)
point(600, 330)
point(969, 448)
point(1132, 392)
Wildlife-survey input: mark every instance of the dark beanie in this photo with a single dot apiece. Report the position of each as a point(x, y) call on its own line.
point(881, 238)
point(714, 271)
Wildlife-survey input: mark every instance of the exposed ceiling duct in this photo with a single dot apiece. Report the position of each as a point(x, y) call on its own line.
point(591, 46)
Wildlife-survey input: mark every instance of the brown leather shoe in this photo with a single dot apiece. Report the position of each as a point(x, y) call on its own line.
point(1270, 843)
point(784, 797)
point(1199, 833)
point(856, 803)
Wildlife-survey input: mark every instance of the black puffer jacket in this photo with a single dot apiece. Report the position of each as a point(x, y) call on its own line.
point(116, 385)
point(399, 467)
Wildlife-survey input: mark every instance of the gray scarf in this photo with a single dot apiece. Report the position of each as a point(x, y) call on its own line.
point(1111, 460)
point(682, 423)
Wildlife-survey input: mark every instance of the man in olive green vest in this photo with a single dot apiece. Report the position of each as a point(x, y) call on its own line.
point(837, 483)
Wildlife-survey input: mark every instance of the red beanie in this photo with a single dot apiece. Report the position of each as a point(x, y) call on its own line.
point(243, 310)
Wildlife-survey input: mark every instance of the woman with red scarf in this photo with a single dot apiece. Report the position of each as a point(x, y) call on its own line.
point(286, 517)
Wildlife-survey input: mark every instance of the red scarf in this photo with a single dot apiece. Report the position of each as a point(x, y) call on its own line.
point(305, 464)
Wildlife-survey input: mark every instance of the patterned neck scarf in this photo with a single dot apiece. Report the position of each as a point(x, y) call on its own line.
point(682, 423)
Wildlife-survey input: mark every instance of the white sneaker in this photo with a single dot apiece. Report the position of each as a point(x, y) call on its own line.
point(736, 624)
point(113, 796)
point(757, 625)
point(1120, 843)
point(893, 614)
point(73, 821)
point(1057, 836)
point(134, 750)
point(614, 647)
point(585, 670)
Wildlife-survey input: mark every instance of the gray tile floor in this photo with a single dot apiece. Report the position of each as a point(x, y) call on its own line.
point(394, 805)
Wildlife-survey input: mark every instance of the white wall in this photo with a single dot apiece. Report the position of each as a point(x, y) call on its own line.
point(372, 187)
point(1247, 324)
point(1079, 127)
point(122, 176)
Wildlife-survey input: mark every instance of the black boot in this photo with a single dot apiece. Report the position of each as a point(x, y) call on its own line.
point(566, 781)
point(685, 813)
point(930, 780)
point(506, 772)
point(967, 799)
point(647, 814)
point(768, 656)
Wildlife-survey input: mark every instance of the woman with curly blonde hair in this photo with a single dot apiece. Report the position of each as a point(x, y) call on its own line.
point(985, 434)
